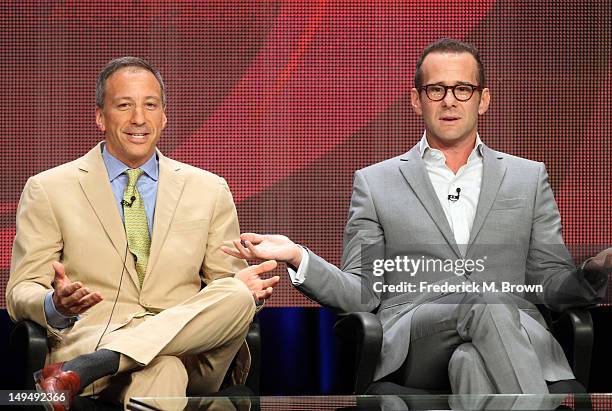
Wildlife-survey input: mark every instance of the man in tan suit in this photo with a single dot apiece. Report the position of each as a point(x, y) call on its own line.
point(112, 250)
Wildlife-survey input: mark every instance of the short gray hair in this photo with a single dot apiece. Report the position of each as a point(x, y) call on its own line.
point(122, 62)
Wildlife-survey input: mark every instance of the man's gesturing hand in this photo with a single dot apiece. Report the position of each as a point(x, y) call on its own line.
point(597, 270)
point(602, 261)
point(70, 298)
point(261, 289)
point(266, 247)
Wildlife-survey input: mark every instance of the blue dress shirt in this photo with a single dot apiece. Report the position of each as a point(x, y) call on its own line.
point(147, 187)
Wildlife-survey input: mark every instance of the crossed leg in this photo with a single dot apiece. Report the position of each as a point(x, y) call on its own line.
point(187, 346)
point(506, 361)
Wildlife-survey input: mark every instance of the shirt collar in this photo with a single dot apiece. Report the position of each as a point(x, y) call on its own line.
point(424, 145)
point(115, 167)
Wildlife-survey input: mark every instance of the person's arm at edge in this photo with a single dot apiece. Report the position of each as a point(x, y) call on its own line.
point(38, 242)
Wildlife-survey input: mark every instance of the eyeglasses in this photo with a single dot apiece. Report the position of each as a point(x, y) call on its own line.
point(462, 92)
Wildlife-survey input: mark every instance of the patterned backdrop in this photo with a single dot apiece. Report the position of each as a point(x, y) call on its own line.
point(286, 99)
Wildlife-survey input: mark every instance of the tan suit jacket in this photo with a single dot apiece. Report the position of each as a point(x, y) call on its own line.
point(69, 214)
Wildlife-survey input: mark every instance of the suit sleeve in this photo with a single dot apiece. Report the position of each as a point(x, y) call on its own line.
point(223, 229)
point(549, 262)
point(350, 289)
point(38, 242)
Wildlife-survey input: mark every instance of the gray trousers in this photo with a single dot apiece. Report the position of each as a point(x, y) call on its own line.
point(475, 342)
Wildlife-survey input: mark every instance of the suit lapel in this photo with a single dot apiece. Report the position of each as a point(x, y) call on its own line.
point(415, 173)
point(169, 189)
point(93, 179)
point(493, 171)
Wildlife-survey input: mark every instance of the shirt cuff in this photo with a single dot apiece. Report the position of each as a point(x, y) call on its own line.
point(298, 277)
point(54, 318)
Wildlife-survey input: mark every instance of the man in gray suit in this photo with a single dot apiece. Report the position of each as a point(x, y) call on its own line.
point(451, 244)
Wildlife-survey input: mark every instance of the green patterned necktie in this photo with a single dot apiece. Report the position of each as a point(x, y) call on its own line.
point(136, 226)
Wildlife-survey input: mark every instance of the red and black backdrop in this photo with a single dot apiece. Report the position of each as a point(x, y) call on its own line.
point(286, 99)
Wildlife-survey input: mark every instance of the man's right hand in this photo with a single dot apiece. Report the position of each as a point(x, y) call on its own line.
point(71, 299)
point(266, 247)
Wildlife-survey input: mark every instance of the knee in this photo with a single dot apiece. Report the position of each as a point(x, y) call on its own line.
point(241, 296)
point(467, 372)
point(464, 361)
point(171, 368)
point(241, 301)
point(464, 357)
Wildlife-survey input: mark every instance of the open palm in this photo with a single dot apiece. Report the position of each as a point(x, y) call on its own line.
point(265, 247)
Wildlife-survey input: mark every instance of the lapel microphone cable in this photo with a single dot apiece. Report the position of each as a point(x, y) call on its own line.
point(93, 384)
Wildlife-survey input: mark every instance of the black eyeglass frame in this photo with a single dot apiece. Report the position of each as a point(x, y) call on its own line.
point(452, 88)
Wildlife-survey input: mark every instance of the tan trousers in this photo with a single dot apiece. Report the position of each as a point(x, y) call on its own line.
point(184, 349)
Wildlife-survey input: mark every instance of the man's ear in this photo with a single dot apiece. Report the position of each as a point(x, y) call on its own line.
point(485, 99)
point(164, 120)
point(415, 101)
point(100, 119)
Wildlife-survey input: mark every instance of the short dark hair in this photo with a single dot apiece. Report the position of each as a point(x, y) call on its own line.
point(122, 62)
point(447, 45)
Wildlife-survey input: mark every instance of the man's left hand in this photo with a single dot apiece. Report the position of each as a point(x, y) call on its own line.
point(602, 262)
point(598, 268)
point(261, 288)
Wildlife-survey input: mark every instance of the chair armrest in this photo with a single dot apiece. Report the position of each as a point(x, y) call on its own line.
point(253, 339)
point(360, 334)
point(582, 334)
point(28, 342)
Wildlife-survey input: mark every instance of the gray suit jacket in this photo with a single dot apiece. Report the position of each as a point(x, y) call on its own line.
point(394, 212)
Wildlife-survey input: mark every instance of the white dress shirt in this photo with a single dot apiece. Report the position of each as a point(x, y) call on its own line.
point(459, 214)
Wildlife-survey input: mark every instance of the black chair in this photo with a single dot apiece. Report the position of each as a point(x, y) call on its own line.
point(28, 343)
point(359, 336)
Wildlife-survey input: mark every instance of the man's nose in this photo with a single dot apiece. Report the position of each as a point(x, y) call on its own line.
point(449, 98)
point(138, 116)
